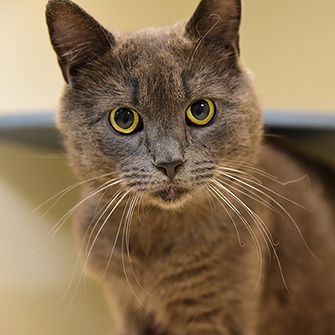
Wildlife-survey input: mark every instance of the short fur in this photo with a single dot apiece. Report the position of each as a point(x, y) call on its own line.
point(220, 248)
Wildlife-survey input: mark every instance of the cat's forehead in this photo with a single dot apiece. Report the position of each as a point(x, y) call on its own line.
point(166, 57)
point(152, 47)
point(155, 69)
point(153, 64)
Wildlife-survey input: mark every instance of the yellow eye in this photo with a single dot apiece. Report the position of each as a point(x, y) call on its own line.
point(124, 120)
point(201, 112)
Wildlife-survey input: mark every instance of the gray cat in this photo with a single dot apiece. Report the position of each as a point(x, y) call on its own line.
point(186, 216)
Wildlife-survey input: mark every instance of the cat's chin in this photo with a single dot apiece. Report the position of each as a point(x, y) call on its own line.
point(172, 197)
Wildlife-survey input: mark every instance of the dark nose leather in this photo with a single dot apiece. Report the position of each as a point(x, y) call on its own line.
point(169, 168)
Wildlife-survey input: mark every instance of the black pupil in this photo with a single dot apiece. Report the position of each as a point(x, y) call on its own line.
point(200, 110)
point(124, 118)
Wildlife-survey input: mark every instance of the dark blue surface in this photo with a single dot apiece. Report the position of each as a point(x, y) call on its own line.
point(272, 118)
point(294, 119)
point(46, 119)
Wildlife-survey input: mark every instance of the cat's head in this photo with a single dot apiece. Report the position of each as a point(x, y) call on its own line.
point(161, 108)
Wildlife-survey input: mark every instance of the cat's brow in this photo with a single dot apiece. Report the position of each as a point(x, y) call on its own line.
point(136, 94)
point(186, 87)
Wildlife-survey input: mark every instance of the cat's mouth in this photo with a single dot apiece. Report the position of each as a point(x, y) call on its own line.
point(170, 194)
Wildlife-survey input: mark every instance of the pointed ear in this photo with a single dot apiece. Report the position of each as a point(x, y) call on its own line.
point(76, 37)
point(217, 22)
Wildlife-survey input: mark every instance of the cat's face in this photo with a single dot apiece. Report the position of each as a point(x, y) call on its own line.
point(162, 108)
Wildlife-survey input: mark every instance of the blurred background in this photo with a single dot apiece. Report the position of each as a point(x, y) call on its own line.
point(290, 47)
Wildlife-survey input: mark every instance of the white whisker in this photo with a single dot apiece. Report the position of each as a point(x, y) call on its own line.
point(129, 222)
point(242, 179)
point(104, 223)
point(241, 217)
point(93, 243)
point(116, 239)
point(124, 235)
point(78, 261)
point(110, 203)
point(266, 235)
point(245, 165)
point(247, 192)
point(60, 223)
point(247, 225)
point(281, 207)
point(65, 217)
point(230, 216)
point(68, 189)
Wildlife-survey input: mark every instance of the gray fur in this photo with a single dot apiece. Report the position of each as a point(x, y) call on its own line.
point(192, 265)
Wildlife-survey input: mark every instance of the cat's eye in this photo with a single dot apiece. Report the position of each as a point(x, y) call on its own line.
point(124, 120)
point(201, 112)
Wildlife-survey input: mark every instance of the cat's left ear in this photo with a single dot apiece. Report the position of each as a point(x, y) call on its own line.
point(76, 36)
point(216, 22)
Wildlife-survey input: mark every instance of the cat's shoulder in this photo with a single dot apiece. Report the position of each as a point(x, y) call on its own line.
point(279, 162)
point(294, 173)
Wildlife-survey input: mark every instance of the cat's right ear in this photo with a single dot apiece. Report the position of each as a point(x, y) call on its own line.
point(216, 22)
point(76, 36)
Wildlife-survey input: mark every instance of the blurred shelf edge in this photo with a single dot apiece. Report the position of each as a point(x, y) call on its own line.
point(33, 129)
point(38, 129)
point(24, 120)
point(273, 119)
point(299, 120)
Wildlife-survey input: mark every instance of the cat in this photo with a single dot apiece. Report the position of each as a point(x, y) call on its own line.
point(193, 224)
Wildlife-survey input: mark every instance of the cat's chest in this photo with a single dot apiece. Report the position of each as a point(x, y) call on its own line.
point(155, 241)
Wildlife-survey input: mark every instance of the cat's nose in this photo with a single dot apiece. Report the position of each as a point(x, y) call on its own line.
point(169, 168)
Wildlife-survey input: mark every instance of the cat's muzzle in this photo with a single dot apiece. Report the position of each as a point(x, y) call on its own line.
point(171, 194)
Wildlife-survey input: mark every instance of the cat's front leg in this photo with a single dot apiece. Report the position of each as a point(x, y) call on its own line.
point(211, 313)
point(215, 327)
point(219, 299)
point(212, 306)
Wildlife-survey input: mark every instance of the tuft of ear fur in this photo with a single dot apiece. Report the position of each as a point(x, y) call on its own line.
point(216, 22)
point(77, 37)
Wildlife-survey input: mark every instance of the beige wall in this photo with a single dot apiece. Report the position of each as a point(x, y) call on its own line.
point(289, 45)
point(37, 266)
